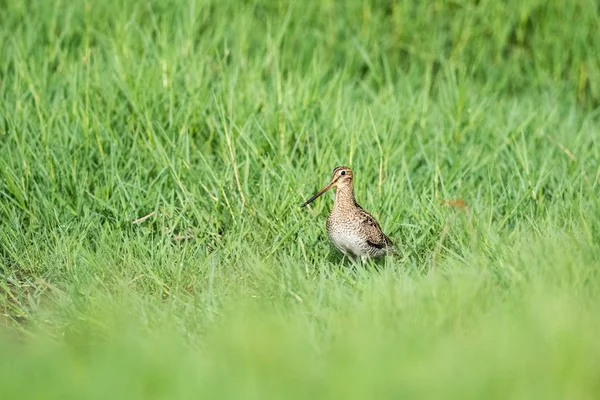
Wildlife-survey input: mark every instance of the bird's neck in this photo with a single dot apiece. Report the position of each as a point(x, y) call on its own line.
point(344, 196)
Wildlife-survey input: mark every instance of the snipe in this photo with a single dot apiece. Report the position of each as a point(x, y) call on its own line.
point(350, 228)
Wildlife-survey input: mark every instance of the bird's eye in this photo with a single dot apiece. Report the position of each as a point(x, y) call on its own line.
point(343, 173)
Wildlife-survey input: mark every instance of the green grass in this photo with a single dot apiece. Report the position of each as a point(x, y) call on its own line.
point(221, 118)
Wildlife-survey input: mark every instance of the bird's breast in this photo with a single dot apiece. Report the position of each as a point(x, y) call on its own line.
point(346, 236)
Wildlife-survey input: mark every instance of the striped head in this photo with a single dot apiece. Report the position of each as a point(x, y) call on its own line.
point(340, 177)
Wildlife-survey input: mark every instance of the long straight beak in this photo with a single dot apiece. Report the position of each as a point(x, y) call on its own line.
point(320, 192)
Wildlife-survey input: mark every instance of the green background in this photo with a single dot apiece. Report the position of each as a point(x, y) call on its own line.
point(219, 118)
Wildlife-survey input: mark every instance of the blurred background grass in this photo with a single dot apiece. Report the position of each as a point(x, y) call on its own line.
point(218, 119)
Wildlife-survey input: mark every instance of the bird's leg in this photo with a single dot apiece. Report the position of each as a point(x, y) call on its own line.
point(364, 259)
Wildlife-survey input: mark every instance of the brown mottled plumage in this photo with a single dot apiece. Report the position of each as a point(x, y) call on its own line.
point(350, 228)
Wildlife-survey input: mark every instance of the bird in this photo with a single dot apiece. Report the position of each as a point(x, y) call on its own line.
point(351, 229)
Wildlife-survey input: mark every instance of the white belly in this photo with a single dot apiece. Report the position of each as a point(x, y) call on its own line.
point(348, 243)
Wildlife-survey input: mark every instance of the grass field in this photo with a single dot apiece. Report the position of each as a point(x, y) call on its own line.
point(216, 119)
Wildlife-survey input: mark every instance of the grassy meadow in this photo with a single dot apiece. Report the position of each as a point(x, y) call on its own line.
point(154, 156)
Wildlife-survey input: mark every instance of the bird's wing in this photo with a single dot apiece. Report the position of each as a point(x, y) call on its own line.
point(374, 233)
